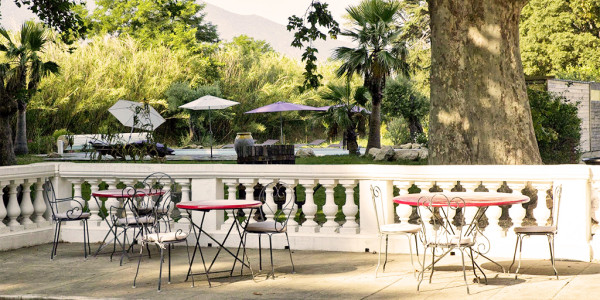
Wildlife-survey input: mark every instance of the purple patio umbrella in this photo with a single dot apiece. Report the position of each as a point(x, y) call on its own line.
point(280, 107)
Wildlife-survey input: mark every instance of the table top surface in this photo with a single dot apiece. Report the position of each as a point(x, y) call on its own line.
point(218, 204)
point(127, 193)
point(478, 199)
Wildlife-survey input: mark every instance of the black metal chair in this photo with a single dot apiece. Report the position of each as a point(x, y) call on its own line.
point(444, 235)
point(164, 203)
point(279, 212)
point(408, 230)
point(150, 233)
point(67, 210)
point(542, 229)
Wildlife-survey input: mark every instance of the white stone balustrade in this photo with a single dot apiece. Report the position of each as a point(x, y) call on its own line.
point(197, 182)
point(541, 212)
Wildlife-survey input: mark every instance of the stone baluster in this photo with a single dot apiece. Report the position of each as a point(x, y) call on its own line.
point(469, 212)
point(92, 204)
point(425, 186)
point(39, 205)
point(541, 211)
point(76, 182)
point(111, 202)
point(350, 209)
point(249, 184)
point(309, 208)
point(516, 211)
point(269, 206)
point(403, 211)
point(232, 185)
point(446, 186)
point(493, 213)
point(291, 224)
point(13, 210)
point(27, 206)
point(3, 228)
point(184, 183)
point(129, 182)
point(330, 209)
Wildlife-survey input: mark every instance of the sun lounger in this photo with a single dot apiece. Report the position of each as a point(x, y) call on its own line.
point(313, 143)
point(267, 143)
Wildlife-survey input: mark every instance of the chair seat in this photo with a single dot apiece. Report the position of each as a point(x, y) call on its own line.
point(454, 241)
point(399, 228)
point(266, 226)
point(133, 220)
point(162, 237)
point(72, 216)
point(536, 229)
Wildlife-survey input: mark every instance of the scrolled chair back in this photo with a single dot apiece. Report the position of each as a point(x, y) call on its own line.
point(160, 182)
point(68, 208)
point(438, 210)
point(278, 200)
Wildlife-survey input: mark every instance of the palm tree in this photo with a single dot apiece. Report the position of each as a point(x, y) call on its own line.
point(345, 111)
point(25, 70)
point(379, 54)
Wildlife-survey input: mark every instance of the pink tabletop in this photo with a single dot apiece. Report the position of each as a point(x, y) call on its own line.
point(470, 199)
point(127, 193)
point(219, 204)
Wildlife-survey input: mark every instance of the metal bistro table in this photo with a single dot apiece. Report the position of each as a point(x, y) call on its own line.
point(480, 200)
point(121, 195)
point(206, 206)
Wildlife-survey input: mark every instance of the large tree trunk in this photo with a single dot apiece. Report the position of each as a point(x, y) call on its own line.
point(480, 111)
point(7, 155)
point(21, 132)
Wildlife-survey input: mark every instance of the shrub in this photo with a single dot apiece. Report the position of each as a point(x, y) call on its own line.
point(557, 127)
point(397, 131)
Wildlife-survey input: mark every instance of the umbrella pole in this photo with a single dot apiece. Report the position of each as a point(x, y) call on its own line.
point(281, 128)
point(210, 131)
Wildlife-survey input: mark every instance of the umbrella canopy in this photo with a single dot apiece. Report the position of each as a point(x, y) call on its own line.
point(209, 103)
point(134, 115)
point(354, 109)
point(281, 106)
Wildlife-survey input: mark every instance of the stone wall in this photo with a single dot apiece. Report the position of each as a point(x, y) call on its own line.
point(577, 91)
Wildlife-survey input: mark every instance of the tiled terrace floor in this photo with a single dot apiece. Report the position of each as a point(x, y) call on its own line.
point(29, 273)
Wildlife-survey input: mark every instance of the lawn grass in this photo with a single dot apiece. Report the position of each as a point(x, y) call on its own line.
point(28, 159)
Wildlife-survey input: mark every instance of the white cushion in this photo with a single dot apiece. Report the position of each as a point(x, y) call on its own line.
point(536, 229)
point(400, 228)
point(74, 215)
point(166, 237)
point(266, 226)
point(133, 220)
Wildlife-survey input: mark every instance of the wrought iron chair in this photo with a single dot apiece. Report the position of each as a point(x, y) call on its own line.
point(408, 230)
point(73, 212)
point(278, 202)
point(152, 234)
point(444, 235)
point(163, 204)
point(548, 231)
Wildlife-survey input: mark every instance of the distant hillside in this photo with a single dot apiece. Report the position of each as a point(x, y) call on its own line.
point(232, 24)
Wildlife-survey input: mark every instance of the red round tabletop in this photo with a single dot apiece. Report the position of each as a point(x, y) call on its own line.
point(478, 199)
point(219, 204)
point(127, 193)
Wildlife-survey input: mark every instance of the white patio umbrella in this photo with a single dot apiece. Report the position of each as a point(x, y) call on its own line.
point(209, 103)
point(135, 115)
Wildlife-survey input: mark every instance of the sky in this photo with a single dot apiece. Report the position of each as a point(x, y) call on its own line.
point(274, 10)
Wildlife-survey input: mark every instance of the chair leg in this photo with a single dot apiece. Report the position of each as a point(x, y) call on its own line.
point(138, 266)
point(162, 258)
point(187, 247)
point(259, 252)
point(271, 252)
point(520, 249)
point(290, 250)
point(87, 228)
point(386, 251)
point(552, 259)
point(55, 240)
point(379, 256)
point(515, 254)
point(462, 256)
point(432, 263)
point(412, 263)
point(84, 239)
point(421, 275)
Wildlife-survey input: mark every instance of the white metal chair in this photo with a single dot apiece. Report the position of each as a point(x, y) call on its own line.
point(274, 217)
point(408, 230)
point(72, 212)
point(436, 211)
point(548, 231)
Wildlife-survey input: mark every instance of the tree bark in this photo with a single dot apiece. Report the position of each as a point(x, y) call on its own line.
point(480, 111)
point(7, 155)
point(21, 132)
point(375, 87)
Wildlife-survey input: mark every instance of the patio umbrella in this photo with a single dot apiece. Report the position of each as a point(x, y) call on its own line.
point(280, 107)
point(209, 103)
point(135, 115)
